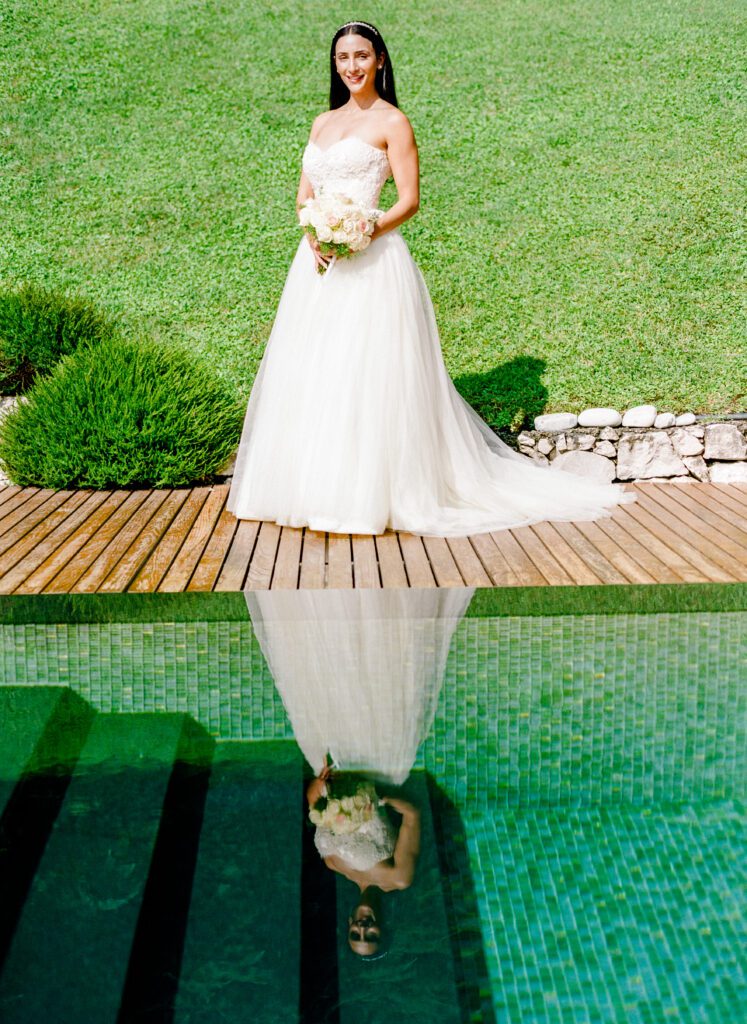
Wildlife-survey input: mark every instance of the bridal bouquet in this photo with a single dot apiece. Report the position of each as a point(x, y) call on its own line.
point(342, 227)
point(347, 814)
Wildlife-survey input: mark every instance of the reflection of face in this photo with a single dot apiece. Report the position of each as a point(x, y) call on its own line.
point(364, 934)
point(356, 62)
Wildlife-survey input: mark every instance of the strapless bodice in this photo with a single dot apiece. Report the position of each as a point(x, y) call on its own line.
point(349, 166)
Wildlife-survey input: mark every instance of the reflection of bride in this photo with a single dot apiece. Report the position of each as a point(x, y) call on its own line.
point(360, 672)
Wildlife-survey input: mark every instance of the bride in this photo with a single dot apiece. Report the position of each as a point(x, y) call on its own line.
point(353, 424)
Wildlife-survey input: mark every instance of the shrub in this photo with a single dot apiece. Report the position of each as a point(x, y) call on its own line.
point(38, 326)
point(123, 413)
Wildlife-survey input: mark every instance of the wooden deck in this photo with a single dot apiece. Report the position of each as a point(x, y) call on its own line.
point(184, 540)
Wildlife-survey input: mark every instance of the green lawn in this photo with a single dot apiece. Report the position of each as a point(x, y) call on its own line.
point(582, 219)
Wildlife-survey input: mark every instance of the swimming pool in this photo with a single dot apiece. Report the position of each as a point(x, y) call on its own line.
point(578, 756)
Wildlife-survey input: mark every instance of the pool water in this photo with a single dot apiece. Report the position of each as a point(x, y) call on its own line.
point(576, 755)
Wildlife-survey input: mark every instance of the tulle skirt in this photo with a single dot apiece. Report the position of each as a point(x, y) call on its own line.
point(354, 426)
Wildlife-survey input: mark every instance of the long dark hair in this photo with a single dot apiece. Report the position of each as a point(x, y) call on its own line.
point(384, 82)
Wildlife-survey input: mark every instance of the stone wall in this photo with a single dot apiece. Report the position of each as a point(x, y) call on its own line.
point(705, 451)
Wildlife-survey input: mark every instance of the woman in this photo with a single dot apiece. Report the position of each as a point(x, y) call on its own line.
point(353, 424)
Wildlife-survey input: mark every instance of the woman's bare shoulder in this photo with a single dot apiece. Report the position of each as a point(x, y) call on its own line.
point(396, 124)
point(318, 123)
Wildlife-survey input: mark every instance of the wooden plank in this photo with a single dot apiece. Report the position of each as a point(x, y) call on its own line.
point(144, 567)
point(26, 515)
point(159, 507)
point(614, 555)
point(339, 561)
point(208, 569)
point(588, 551)
point(415, 557)
point(313, 559)
point(638, 549)
point(728, 499)
point(470, 567)
point(188, 557)
point(22, 497)
point(167, 527)
point(687, 561)
point(21, 558)
point(391, 562)
point(263, 558)
point(40, 578)
point(442, 562)
point(9, 492)
point(235, 568)
point(287, 563)
point(493, 561)
point(73, 569)
point(575, 566)
point(365, 565)
point(697, 497)
point(709, 552)
point(542, 557)
point(705, 512)
point(527, 573)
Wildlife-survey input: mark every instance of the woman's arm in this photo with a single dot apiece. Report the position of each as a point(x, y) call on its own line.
point(407, 849)
point(402, 151)
point(305, 191)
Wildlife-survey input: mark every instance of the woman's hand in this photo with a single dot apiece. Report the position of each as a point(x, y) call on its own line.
point(403, 807)
point(319, 258)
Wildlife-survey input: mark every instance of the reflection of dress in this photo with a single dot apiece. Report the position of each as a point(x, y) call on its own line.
point(359, 672)
point(354, 424)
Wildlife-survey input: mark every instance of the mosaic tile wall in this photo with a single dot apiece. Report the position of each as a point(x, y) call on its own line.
point(622, 913)
point(533, 710)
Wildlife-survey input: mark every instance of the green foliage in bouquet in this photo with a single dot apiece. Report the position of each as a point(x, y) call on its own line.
point(124, 413)
point(38, 326)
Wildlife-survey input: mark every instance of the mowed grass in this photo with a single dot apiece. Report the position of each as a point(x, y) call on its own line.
point(582, 220)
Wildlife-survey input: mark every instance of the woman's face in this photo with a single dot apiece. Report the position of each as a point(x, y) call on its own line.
point(356, 62)
point(364, 933)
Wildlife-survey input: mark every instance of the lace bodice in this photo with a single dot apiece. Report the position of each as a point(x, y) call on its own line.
point(349, 166)
point(373, 842)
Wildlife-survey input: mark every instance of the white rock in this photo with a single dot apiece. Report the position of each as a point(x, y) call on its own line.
point(561, 443)
point(605, 448)
point(545, 446)
point(724, 441)
point(596, 467)
point(536, 456)
point(697, 466)
point(727, 472)
point(685, 419)
point(686, 443)
point(580, 442)
point(599, 418)
point(609, 434)
point(554, 421)
point(664, 420)
point(642, 456)
point(640, 416)
point(526, 439)
point(670, 480)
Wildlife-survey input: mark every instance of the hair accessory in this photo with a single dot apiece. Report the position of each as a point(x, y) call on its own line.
point(364, 23)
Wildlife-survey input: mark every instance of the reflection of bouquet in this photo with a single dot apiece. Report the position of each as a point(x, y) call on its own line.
point(342, 227)
point(343, 815)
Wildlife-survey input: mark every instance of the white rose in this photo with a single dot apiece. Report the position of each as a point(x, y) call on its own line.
point(324, 234)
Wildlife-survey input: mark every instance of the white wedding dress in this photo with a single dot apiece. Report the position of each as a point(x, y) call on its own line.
point(353, 424)
point(359, 673)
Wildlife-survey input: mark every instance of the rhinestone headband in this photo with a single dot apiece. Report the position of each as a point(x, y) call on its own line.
point(364, 23)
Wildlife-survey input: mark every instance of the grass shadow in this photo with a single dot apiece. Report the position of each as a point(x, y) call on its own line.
point(509, 396)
